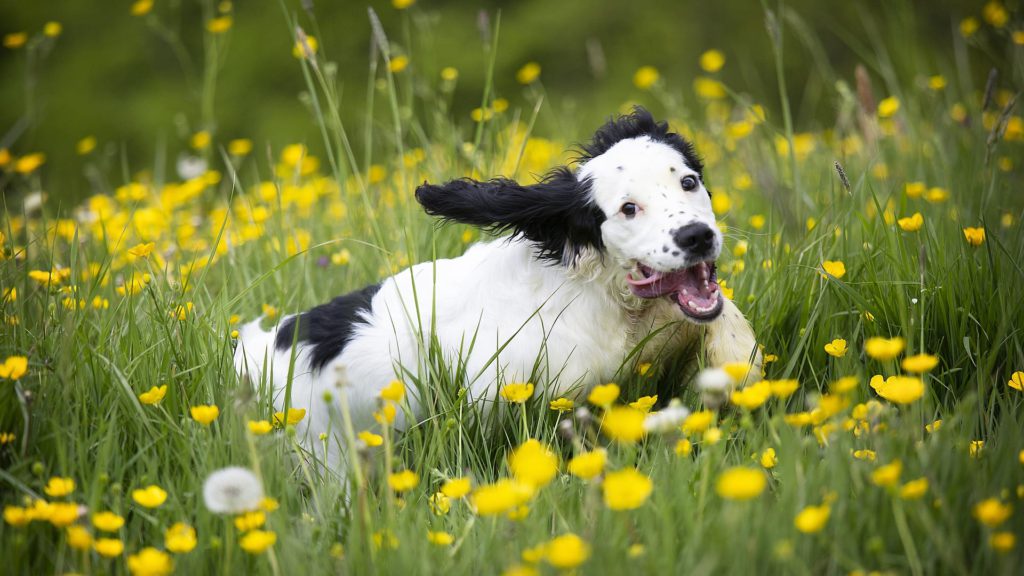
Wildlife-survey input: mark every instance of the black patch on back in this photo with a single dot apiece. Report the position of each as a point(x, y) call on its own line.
point(640, 123)
point(327, 328)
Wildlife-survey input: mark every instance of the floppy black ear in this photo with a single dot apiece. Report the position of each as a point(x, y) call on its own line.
point(557, 214)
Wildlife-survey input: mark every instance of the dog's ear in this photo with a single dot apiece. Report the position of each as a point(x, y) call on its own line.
point(557, 214)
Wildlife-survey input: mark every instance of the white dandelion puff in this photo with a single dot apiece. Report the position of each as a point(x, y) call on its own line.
point(232, 490)
point(714, 385)
point(666, 420)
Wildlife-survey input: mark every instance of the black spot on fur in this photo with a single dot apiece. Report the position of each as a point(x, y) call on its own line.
point(640, 123)
point(328, 327)
point(557, 214)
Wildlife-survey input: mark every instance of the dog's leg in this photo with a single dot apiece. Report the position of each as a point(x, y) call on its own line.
point(730, 339)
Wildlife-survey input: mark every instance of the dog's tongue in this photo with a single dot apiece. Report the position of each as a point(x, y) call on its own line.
point(694, 287)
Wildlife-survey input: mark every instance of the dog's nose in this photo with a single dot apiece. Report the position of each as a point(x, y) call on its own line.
point(696, 238)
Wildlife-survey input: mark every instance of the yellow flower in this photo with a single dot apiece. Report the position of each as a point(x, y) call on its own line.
point(645, 77)
point(149, 497)
point(439, 503)
point(911, 223)
point(833, 267)
point(698, 422)
point(975, 448)
point(991, 512)
point(29, 163)
point(937, 82)
point(403, 481)
point(566, 551)
point(864, 454)
point(150, 562)
point(305, 49)
point(240, 147)
point(914, 189)
point(440, 538)
point(107, 521)
point(141, 7)
point(62, 514)
point(887, 475)
point(753, 396)
point(79, 538)
point(836, 348)
point(153, 395)
point(200, 140)
point(52, 29)
point(385, 539)
point(844, 385)
point(456, 487)
point(394, 391)
point(623, 424)
point(757, 221)
point(219, 25)
point(888, 107)
point(712, 436)
point(372, 440)
point(604, 395)
point(1016, 381)
point(1002, 541)
point(995, 14)
point(15, 40)
point(517, 393)
point(268, 504)
point(626, 489)
point(914, 489)
point(738, 371)
point(588, 464)
point(398, 63)
point(933, 426)
point(250, 521)
point(561, 404)
point(386, 415)
point(712, 61)
point(740, 483)
point(768, 458)
point(402, 4)
point(974, 236)
point(683, 447)
point(709, 88)
point(16, 516)
point(108, 547)
point(14, 367)
point(899, 389)
point(644, 403)
point(500, 497)
point(204, 414)
point(180, 538)
point(58, 487)
point(449, 74)
point(783, 388)
point(259, 427)
point(883, 349)
point(533, 463)
point(528, 74)
point(257, 541)
point(295, 415)
point(920, 363)
point(812, 519)
point(936, 195)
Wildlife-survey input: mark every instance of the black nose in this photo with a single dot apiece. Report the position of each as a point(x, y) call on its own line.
point(695, 238)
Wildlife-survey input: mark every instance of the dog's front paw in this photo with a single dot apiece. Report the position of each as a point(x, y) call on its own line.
point(730, 340)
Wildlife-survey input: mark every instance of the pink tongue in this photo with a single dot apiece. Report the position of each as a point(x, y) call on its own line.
point(687, 283)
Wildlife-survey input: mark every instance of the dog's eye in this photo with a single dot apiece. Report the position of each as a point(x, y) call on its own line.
point(629, 209)
point(689, 183)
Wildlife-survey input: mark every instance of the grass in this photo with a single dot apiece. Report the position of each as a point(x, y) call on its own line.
point(277, 231)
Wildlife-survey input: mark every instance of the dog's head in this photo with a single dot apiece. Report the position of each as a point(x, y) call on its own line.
point(638, 197)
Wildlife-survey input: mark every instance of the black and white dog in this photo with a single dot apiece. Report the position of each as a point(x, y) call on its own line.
point(599, 260)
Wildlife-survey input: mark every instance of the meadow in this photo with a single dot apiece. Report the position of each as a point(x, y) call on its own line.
point(878, 256)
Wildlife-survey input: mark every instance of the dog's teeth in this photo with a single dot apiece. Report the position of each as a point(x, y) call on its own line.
point(691, 304)
point(685, 292)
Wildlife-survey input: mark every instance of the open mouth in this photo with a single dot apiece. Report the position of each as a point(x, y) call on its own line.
point(694, 289)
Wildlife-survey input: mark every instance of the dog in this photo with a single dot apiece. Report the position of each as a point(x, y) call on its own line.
point(615, 256)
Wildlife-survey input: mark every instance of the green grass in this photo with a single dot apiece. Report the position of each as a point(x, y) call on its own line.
point(299, 239)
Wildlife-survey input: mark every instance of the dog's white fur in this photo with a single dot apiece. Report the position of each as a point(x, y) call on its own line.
point(580, 317)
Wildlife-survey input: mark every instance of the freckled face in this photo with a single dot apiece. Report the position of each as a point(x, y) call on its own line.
point(658, 210)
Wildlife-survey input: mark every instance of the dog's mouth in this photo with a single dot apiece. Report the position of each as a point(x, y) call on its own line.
point(694, 289)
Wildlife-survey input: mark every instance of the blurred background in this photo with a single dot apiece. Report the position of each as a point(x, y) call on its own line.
point(129, 74)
